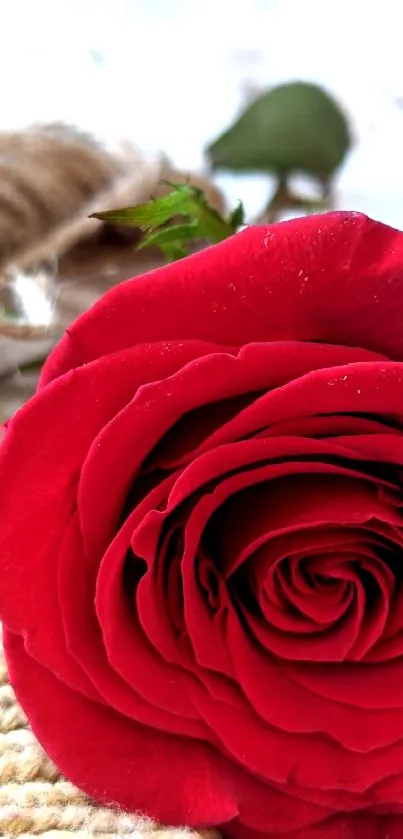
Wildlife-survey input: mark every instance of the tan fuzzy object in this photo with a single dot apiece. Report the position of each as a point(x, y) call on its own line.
point(36, 801)
point(52, 178)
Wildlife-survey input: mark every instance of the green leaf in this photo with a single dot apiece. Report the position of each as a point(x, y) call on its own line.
point(173, 251)
point(154, 212)
point(179, 233)
point(295, 127)
point(198, 220)
point(237, 217)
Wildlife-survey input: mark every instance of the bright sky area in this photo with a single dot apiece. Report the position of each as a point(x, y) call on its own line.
point(171, 74)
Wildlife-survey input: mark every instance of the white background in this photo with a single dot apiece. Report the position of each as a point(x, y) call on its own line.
point(170, 75)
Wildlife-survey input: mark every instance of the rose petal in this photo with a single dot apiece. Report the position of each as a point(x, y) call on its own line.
point(336, 278)
point(189, 782)
point(310, 761)
point(84, 641)
point(356, 826)
point(156, 408)
point(285, 704)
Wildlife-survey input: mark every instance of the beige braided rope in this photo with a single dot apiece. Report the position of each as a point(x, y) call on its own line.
point(36, 801)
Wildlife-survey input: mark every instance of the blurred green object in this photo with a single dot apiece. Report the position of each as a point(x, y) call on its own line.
point(293, 128)
point(174, 222)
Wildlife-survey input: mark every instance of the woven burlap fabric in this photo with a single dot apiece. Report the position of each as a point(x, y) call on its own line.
point(36, 801)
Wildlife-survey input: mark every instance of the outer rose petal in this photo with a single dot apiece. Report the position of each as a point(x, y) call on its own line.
point(175, 780)
point(51, 435)
point(336, 279)
point(356, 826)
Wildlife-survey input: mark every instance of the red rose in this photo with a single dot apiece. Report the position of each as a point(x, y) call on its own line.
point(201, 534)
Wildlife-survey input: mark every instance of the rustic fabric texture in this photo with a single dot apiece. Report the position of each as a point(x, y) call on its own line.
point(78, 287)
point(36, 801)
point(52, 178)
